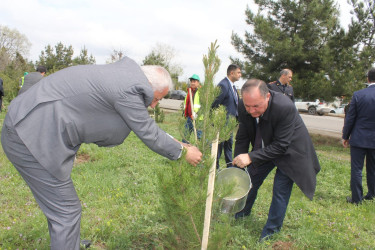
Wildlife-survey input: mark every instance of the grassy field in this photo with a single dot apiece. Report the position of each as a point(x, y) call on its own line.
point(122, 208)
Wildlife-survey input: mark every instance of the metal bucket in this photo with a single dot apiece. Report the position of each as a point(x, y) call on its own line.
point(240, 184)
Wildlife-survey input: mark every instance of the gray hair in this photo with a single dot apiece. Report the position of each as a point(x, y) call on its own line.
point(158, 77)
point(252, 84)
point(285, 72)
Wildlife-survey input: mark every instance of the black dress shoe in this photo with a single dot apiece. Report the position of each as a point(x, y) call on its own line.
point(241, 215)
point(86, 243)
point(350, 200)
point(368, 197)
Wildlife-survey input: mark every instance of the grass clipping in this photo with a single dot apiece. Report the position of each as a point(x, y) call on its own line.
point(183, 187)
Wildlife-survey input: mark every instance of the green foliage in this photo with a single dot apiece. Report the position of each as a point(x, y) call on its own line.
point(84, 58)
point(183, 187)
point(158, 114)
point(62, 57)
point(163, 55)
point(306, 37)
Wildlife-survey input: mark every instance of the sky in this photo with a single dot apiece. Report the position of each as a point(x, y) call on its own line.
point(135, 27)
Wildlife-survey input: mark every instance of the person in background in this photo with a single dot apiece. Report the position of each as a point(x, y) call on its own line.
point(283, 84)
point(22, 80)
point(228, 97)
point(32, 78)
point(359, 133)
point(1, 94)
point(189, 113)
point(100, 104)
point(271, 123)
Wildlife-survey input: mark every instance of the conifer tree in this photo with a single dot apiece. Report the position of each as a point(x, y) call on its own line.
point(183, 187)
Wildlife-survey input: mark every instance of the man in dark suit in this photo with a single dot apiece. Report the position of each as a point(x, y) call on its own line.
point(283, 84)
point(270, 122)
point(359, 126)
point(228, 97)
point(32, 78)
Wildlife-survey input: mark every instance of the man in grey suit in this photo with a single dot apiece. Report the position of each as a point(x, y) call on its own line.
point(32, 78)
point(270, 122)
point(100, 104)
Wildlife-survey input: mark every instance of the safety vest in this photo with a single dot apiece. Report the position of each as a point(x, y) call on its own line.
point(196, 104)
point(22, 80)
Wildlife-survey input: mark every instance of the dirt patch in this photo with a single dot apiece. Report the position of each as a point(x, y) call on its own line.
point(280, 245)
point(82, 158)
point(319, 139)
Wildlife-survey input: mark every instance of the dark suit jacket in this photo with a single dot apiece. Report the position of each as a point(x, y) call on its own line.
point(278, 87)
point(226, 97)
point(1, 88)
point(359, 123)
point(286, 142)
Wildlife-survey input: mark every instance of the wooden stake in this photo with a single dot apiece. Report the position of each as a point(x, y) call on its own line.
point(210, 194)
point(192, 111)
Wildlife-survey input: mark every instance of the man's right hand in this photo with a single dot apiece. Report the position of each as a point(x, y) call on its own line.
point(193, 155)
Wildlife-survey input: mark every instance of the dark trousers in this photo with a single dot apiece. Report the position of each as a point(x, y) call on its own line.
point(282, 189)
point(189, 128)
point(227, 146)
point(357, 159)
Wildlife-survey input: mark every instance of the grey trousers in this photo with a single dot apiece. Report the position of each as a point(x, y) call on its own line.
point(57, 199)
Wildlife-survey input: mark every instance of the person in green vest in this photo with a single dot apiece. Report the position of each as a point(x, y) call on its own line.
point(189, 113)
point(22, 80)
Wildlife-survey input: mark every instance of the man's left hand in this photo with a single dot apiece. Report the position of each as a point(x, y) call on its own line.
point(345, 143)
point(242, 160)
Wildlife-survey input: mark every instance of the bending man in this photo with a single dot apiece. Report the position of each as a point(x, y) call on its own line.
point(100, 104)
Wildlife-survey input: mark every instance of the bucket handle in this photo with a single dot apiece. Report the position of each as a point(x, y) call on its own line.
point(245, 169)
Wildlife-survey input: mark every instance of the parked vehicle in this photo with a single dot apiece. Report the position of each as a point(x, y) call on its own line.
point(307, 106)
point(322, 109)
point(177, 94)
point(330, 108)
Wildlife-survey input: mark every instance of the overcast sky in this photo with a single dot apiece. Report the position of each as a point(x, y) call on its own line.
point(135, 27)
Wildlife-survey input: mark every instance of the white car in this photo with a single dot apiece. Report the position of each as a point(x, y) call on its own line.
point(309, 106)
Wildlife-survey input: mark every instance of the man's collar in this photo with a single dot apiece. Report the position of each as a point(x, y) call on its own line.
point(266, 114)
point(229, 80)
point(371, 84)
point(279, 83)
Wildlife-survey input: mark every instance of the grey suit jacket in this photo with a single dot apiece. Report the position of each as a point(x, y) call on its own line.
point(30, 80)
point(286, 142)
point(98, 104)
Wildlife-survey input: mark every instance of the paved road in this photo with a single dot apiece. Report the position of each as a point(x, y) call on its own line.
point(325, 125)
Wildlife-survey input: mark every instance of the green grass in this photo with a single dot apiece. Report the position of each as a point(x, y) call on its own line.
point(122, 208)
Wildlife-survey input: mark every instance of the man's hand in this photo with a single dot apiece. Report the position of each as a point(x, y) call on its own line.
point(242, 160)
point(345, 143)
point(193, 155)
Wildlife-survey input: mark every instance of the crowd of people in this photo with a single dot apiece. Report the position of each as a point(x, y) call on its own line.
point(102, 104)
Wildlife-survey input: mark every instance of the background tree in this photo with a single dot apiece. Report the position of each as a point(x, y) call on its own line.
point(14, 48)
point(354, 49)
point(56, 58)
point(84, 58)
point(13, 44)
point(116, 55)
point(61, 57)
point(305, 36)
point(163, 55)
